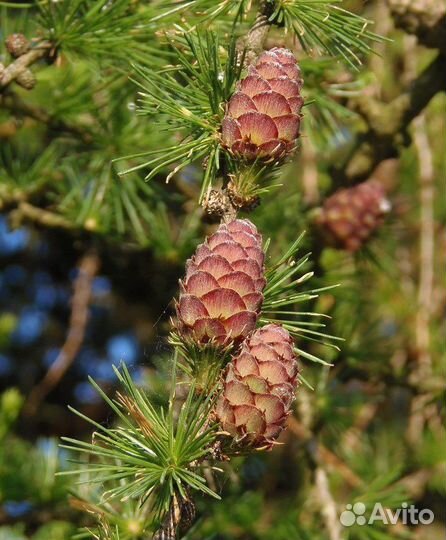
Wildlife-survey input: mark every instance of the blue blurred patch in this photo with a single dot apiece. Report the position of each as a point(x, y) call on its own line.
point(15, 275)
point(41, 278)
point(87, 359)
point(63, 296)
point(123, 347)
point(31, 324)
point(103, 371)
point(5, 365)
point(95, 366)
point(12, 241)
point(49, 447)
point(73, 273)
point(101, 286)
point(17, 509)
point(86, 394)
point(50, 356)
point(137, 374)
point(45, 297)
point(5, 293)
point(97, 314)
point(388, 328)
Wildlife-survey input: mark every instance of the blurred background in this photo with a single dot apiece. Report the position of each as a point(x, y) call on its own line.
point(89, 264)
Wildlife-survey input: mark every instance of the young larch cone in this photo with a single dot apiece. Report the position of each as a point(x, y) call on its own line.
point(259, 388)
point(263, 116)
point(221, 295)
point(350, 216)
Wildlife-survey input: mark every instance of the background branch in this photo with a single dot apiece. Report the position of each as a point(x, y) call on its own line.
point(388, 124)
point(427, 246)
point(87, 270)
point(328, 504)
point(26, 211)
point(424, 18)
point(19, 107)
point(21, 64)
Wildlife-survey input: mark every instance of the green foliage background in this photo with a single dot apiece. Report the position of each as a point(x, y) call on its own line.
point(133, 95)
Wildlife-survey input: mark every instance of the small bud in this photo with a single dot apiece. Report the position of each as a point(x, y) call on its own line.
point(240, 200)
point(216, 205)
point(17, 44)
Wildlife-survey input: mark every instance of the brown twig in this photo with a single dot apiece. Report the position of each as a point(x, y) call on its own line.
point(414, 484)
point(388, 124)
point(252, 44)
point(352, 437)
point(423, 367)
point(88, 268)
point(13, 103)
point(424, 18)
point(21, 64)
point(327, 504)
point(220, 203)
point(427, 246)
point(26, 211)
point(321, 454)
point(310, 176)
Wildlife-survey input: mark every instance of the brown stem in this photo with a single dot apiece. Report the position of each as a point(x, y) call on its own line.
point(328, 504)
point(26, 211)
point(13, 103)
point(21, 64)
point(427, 246)
point(310, 176)
point(179, 519)
point(414, 484)
point(388, 124)
point(88, 268)
point(320, 453)
point(252, 44)
point(219, 203)
point(424, 18)
point(423, 367)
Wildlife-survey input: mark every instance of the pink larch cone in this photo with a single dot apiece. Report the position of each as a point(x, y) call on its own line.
point(263, 116)
point(221, 295)
point(259, 388)
point(350, 216)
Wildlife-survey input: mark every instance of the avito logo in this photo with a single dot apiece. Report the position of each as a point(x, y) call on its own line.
point(407, 515)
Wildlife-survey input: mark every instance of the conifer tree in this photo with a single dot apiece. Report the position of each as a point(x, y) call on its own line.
point(240, 142)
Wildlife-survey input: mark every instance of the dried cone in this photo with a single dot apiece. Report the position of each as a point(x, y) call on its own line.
point(259, 388)
point(17, 45)
point(263, 116)
point(26, 79)
point(221, 295)
point(350, 216)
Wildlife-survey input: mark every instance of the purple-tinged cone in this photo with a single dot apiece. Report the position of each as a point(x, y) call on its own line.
point(263, 116)
point(259, 388)
point(351, 215)
point(221, 295)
